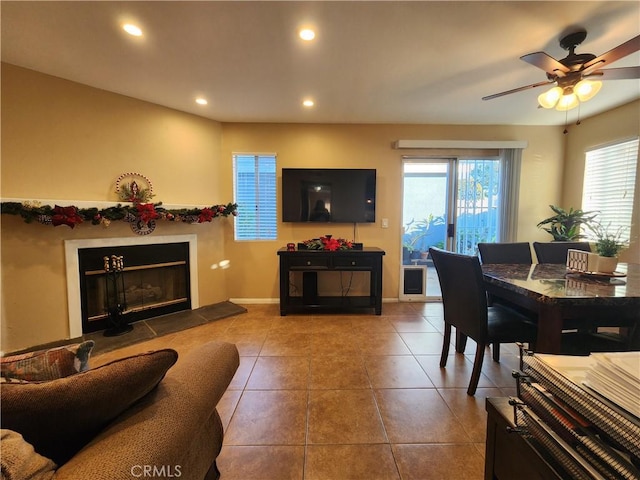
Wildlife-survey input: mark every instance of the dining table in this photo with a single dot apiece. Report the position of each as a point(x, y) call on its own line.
point(564, 299)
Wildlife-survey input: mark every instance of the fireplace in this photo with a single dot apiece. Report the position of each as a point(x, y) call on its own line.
point(159, 277)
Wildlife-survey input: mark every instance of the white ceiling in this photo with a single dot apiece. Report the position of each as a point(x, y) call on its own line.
point(372, 62)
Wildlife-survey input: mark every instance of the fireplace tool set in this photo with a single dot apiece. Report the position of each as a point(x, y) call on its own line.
point(115, 298)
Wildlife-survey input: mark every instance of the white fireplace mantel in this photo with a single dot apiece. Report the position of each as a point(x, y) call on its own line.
point(71, 248)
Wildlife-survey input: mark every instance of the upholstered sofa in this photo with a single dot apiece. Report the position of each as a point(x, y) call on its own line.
point(137, 417)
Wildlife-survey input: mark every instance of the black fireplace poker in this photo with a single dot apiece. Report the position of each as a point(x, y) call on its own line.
point(115, 298)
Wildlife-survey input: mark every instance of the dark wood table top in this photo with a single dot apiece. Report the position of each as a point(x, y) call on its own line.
point(552, 283)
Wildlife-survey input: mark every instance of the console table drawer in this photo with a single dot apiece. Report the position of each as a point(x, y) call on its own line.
point(353, 262)
point(312, 261)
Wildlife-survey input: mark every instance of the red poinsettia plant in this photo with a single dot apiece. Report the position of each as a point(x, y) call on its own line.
point(65, 216)
point(328, 243)
point(146, 212)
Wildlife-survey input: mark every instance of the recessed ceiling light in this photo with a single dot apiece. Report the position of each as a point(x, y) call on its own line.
point(308, 103)
point(307, 34)
point(132, 29)
point(201, 101)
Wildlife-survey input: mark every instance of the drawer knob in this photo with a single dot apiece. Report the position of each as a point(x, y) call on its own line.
point(308, 262)
point(353, 263)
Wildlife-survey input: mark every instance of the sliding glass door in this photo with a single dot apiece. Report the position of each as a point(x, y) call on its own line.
point(450, 203)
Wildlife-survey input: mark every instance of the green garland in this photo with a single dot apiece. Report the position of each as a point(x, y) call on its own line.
point(71, 215)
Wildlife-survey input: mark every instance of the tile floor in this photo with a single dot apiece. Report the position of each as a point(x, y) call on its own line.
point(358, 396)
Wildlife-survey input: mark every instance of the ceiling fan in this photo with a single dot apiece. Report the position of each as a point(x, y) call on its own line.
point(572, 76)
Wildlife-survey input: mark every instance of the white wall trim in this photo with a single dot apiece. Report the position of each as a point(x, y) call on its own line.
point(417, 144)
point(71, 248)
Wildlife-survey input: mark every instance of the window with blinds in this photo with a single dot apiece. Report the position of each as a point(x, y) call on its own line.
point(254, 178)
point(609, 184)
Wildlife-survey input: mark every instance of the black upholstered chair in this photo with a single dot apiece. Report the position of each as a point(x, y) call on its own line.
point(556, 252)
point(465, 308)
point(517, 252)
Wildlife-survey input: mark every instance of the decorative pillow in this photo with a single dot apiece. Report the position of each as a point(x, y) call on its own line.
point(19, 461)
point(47, 364)
point(59, 417)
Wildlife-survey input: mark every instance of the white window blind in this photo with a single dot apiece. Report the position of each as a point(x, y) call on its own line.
point(254, 177)
point(609, 184)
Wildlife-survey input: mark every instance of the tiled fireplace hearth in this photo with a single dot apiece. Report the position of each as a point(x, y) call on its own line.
point(160, 276)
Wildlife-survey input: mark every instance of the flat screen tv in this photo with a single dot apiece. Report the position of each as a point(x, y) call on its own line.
point(337, 195)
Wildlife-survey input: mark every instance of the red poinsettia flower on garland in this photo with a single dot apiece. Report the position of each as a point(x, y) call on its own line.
point(65, 216)
point(328, 243)
point(146, 212)
point(206, 215)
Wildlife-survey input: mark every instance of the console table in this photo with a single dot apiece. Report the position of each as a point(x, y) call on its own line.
point(312, 262)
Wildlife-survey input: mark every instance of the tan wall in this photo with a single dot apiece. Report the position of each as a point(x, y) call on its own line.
point(65, 141)
point(254, 265)
point(617, 124)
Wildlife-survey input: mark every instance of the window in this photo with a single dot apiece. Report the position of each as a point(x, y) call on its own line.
point(254, 178)
point(609, 184)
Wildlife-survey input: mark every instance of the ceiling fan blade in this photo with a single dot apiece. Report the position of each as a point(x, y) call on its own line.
point(622, 50)
point(546, 63)
point(622, 73)
point(519, 89)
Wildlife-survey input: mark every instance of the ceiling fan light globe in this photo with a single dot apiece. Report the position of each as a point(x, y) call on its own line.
point(587, 89)
point(567, 102)
point(550, 98)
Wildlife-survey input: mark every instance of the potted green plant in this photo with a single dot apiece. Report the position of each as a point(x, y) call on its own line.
point(608, 245)
point(565, 225)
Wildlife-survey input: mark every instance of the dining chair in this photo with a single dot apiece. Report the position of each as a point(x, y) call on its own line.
point(556, 252)
point(516, 252)
point(464, 299)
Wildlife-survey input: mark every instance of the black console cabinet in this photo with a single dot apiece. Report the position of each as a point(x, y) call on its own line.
point(310, 262)
point(508, 455)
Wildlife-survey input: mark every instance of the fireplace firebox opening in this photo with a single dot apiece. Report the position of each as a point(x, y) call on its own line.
point(155, 281)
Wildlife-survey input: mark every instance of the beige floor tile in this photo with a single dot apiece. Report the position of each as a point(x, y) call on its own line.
point(286, 344)
point(371, 324)
point(241, 376)
point(339, 397)
point(248, 344)
point(338, 324)
point(456, 374)
point(439, 462)
point(500, 373)
point(227, 405)
point(411, 323)
point(401, 308)
point(481, 447)
point(250, 324)
point(269, 417)
point(396, 371)
point(338, 372)
point(350, 462)
point(263, 310)
point(418, 416)
point(344, 416)
point(343, 343)
point(382, 344)
point(470, 411)
point(292, 324)
point(423, 343)
point(279, 373)
point(273, 462)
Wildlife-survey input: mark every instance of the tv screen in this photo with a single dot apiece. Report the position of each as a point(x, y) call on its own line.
point(338, 195)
